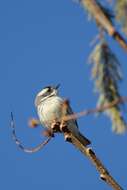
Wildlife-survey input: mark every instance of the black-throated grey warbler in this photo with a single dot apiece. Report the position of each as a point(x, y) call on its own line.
point(49, 107)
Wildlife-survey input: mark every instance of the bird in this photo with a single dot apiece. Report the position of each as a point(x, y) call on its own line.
point(49, 108)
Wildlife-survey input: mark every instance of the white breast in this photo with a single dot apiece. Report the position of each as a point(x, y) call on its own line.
point(50, 110)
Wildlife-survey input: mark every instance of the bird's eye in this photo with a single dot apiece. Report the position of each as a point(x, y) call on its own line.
point(49, 89)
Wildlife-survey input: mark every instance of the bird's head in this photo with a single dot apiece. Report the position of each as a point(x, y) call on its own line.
point(45, 93)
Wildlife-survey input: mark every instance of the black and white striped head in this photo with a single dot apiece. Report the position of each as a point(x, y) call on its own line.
point(45, 93)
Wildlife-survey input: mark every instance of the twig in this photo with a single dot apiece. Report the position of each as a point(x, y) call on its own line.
point(21, 146)
point(65, 118)
point(95, 110)
point(104, 174)
point(87, 151)
point(95, 10)
point(85, 112)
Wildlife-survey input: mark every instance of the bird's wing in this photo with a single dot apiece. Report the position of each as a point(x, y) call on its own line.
point(76, 133)
point(69, 112)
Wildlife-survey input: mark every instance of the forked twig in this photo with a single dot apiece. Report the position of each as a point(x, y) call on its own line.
point(87, 151)
point(20, 145)
point(104, 174)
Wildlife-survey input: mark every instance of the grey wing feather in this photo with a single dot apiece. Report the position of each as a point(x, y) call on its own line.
point(69, 112)
point(80, 137)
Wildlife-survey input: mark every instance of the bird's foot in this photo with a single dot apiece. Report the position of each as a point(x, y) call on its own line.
point(67, 137)
point(55, 127)
point(63, 127)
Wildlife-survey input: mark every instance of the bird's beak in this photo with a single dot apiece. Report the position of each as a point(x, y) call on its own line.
point(57, 86)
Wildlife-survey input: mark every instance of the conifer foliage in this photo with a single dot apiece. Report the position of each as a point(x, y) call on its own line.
point(106, 68)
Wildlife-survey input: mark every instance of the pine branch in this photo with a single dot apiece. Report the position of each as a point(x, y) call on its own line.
point(107, 74)
point(102, 19)
point(104, 174)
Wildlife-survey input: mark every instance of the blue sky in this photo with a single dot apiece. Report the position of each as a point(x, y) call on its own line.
point(41, 43)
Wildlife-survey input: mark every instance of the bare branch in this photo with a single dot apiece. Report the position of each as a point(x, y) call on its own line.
point(70, 137)
point(95, 10)
point(95, 110)
point(21, 146)
point(104, 174)
point(88, 111)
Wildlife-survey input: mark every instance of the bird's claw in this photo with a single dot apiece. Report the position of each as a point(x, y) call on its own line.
point(63, 127)
point(67, 137)
point(55, 127)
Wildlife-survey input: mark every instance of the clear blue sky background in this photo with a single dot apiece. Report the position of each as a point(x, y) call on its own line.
point(41, 43)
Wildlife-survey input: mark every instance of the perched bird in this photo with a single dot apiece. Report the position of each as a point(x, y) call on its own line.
point(49, 107)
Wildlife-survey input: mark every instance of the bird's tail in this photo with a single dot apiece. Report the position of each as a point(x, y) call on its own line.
point(83, 139)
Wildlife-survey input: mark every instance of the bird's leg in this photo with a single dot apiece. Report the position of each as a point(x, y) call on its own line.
point(65, 131)
point(55, 126)
point(63, 124)
point(63, 127)
point(67, 137)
